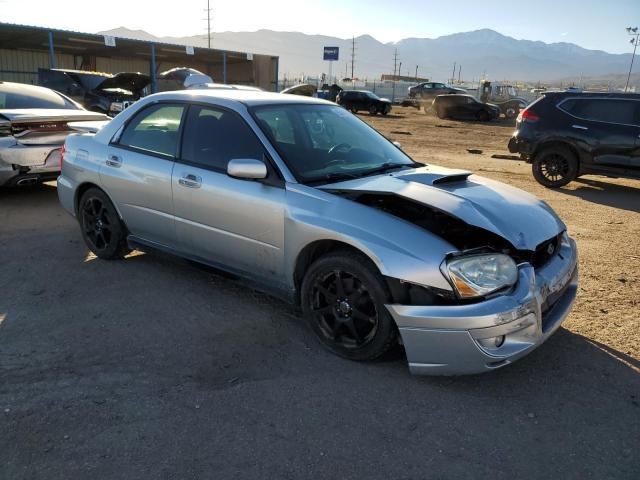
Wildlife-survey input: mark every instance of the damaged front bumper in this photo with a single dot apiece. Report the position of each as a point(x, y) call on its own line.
point(475, 338)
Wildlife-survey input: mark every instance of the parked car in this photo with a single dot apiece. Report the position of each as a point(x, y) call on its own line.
point(567, 134)
point(33, 126)
point(464, 107)
point(430, 90)
point(357, 100)
point(310, 203)
point(96, 91)
point(186, 78)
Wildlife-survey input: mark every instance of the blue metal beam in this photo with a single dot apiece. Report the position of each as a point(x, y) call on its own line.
point(152, 74)
point(224, 67)
point(52, 58)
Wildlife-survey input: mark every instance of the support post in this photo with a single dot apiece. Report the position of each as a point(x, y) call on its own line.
point(153, 68)
point(277, 68)
point(52, 58)
point(224, 67)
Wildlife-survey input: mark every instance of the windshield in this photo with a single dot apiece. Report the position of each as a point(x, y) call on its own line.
point(372, 95)
point(323, 143)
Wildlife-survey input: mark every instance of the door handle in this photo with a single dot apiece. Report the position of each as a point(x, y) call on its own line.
point(190, 180)
point(114, 161)
point(579, 127)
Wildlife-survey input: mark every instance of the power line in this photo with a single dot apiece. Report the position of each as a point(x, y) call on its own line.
point(208, 19)
point(395, 66)
point(353, 55)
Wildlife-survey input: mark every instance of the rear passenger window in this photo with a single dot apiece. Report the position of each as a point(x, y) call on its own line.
point(604, 110)
point(212, 137)
point(154, 129)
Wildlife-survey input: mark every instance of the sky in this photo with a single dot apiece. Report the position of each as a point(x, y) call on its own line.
point(593, 24)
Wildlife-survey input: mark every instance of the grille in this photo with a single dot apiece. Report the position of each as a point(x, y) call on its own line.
point(545, 251)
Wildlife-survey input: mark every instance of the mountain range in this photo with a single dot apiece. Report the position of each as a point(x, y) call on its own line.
point(477, 53)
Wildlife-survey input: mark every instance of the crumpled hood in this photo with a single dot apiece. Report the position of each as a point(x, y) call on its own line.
point(514, 214)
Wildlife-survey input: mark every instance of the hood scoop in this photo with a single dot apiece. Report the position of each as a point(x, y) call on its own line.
point(436, 178)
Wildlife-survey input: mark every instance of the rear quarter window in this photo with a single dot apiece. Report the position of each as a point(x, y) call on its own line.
point(15, 96)
point(609, 110)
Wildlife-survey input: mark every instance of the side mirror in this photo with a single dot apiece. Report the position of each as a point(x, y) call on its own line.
point(247, 168)
point(398, 145)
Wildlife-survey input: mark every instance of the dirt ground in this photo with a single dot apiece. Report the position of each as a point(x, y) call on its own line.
point(151, 368)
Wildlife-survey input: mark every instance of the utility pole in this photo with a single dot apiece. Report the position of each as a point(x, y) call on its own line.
point(400, 71)
point(459, 69)
point(416, 73)
point(208, 19)
point(353, 55)
point(395, 65)
point(453, 75)
point(633, 31)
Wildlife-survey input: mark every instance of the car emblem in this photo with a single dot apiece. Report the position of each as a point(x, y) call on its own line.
point(551, 248)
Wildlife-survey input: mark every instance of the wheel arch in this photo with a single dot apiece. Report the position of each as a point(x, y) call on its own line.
point(313, 251)
point(557, 143)
point(80, 191)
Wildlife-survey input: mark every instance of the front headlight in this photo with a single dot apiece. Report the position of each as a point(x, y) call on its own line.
point(479, 275)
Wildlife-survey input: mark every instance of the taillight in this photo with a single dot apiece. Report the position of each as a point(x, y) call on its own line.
point(62, 150)
point(527, 115)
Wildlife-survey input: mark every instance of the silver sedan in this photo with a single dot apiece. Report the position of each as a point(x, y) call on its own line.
point(309, 203)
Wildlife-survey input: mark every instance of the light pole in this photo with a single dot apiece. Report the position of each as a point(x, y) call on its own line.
point(633, 31)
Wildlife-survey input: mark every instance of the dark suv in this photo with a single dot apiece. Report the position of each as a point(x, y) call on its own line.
point(355, 100)
point(568, 134)
point(432, 89)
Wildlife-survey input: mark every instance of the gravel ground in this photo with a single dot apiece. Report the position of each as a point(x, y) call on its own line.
point(152, 368)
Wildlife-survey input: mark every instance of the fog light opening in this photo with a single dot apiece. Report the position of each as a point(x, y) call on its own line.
point(499, 341)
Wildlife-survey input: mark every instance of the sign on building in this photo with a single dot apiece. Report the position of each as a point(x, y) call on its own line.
point(109, 40)
point(189, 49)
point(331, 53)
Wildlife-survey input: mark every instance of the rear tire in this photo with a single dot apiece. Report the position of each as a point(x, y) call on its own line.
point(343, 298)
point(101, 227)
point(555, 167)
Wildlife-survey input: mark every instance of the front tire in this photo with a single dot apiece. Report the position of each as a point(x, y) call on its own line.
point(373, 110)
point(555, 167)
point(101, 227)
point(343, 298)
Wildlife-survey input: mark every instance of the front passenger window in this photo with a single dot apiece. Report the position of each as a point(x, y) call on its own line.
point(212, 137)
point(154, 129)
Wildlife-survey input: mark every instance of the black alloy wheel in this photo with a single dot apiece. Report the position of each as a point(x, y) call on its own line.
point(343, 299)
point(555, 167)
point(102, 230)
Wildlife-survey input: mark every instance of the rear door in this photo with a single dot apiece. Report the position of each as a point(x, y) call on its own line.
point(137, 170)
point(235, 223)
point(609, 126)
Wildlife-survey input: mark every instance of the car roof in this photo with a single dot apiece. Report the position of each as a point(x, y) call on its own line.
point(574, 94)
point(248, 98)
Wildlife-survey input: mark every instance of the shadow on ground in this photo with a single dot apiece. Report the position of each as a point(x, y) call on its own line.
point(600, 190)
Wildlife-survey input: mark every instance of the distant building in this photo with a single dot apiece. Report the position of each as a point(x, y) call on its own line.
point(24, 49)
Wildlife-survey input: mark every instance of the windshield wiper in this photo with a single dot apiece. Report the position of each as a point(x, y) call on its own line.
point(332, 177)
point(385, 167)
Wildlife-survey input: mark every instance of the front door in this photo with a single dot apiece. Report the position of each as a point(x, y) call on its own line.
point(611, 128)
point(234, 223)
point(137, 170)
